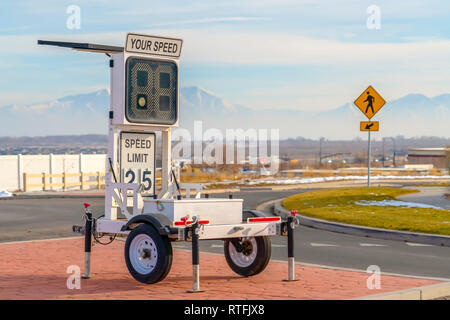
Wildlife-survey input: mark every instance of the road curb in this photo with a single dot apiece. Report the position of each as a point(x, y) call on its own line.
point(255, 189)
point(431, 292)
point(53, 196)
point(378, 233)
point(78, 196)
point(99, 195)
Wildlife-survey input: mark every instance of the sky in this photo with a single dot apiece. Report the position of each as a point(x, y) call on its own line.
point(307, 55)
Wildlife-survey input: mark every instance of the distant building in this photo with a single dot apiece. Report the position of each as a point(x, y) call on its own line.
point(438, 157)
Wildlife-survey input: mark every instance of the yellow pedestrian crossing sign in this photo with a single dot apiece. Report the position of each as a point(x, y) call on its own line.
point(370, 102)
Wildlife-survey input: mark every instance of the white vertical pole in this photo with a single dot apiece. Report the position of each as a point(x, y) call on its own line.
point(165, 170)
point(51, 168)
point(368, 162)
point(80, 163)
point(19, 172)
point(110, 213)
point(80, 169)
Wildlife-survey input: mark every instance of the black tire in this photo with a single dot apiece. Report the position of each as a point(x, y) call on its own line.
point(157, 247)
point(256, 264)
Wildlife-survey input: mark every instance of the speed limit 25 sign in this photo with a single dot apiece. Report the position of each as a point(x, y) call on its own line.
point(137, 160)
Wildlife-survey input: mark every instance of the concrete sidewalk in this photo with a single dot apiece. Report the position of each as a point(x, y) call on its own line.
point(37, 270)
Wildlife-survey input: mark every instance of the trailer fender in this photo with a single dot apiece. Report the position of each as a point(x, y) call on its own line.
point(253, 213)
point(158, 221)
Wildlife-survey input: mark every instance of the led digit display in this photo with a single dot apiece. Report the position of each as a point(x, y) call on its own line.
point(151, 91)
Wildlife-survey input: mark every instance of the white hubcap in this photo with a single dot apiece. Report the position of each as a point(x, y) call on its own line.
point(143, 254)
point(247, 257)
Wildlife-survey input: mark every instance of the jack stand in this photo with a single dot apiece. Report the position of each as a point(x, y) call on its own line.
point(87, 242)
point(291, 259)
point(195, 258)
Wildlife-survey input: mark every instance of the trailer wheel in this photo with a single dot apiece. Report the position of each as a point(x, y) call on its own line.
point(148, 255)
point(251, 258)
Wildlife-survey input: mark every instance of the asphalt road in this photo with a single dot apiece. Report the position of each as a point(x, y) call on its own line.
point(30, 219)
point(50, 218)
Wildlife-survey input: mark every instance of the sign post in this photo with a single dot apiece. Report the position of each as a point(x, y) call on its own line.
point(368, 162)
point(369, 102)
point(369, 126)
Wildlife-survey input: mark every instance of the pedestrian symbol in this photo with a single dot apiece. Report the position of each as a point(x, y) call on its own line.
point(370, 102)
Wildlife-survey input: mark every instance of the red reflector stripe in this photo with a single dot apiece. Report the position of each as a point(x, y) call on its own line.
point(266, 219)
point(182, 223)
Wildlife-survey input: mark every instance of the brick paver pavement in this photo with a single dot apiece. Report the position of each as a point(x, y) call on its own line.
point(37, 270)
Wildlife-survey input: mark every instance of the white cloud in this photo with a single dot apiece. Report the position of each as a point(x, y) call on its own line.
point(266, 48)
point(210, 20)
point(397, 68)
point(221, 45)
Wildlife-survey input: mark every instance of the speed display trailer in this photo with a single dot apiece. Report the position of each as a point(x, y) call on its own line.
point(145, 101)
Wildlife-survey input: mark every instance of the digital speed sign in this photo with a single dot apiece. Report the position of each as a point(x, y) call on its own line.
point(151, 91)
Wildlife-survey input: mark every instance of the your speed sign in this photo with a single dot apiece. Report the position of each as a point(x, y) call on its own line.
point(137, 160)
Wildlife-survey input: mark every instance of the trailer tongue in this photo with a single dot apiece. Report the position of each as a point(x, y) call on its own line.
point(145, 100)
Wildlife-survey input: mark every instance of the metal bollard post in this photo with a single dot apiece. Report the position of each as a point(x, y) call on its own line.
point(195, 257)
point(291, 257)
point(87, 242)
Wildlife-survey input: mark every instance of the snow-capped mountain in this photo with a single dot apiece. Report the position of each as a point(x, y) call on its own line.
point(411, 115)
point(77, 114)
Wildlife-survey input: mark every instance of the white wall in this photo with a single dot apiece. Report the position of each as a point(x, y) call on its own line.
point(8, 173)
point(12, 168)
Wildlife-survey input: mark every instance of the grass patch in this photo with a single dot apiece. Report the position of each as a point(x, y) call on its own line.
point(339, 205)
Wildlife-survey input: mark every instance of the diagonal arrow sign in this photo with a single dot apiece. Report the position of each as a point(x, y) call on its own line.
point(368, 126)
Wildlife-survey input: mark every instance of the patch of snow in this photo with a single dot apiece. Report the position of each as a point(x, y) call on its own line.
point(395, 203)
point(339, 178)
point(5, 194)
